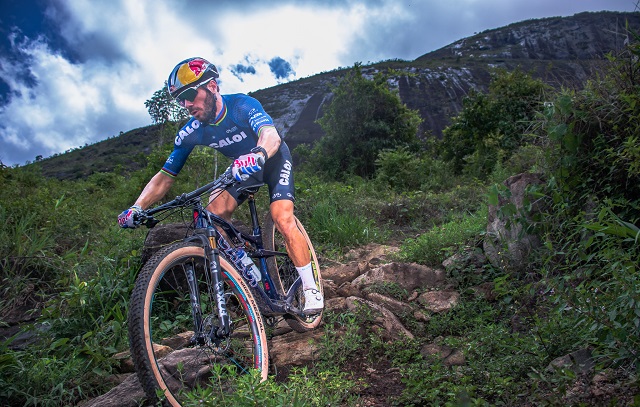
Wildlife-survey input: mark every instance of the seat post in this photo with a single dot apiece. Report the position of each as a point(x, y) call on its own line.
point(255, 224)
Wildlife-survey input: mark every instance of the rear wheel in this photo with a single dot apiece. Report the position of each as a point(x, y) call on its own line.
point(284, 273)
point(170, 358)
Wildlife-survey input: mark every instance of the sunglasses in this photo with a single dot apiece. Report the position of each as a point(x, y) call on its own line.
point(190, 93)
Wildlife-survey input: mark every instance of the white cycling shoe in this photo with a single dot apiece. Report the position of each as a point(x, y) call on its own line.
point(313, 301)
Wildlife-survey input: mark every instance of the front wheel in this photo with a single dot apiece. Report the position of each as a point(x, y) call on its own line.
point(172, 354)
point(284, 273)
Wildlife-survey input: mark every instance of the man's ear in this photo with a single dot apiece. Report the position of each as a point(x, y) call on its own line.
point(213, 86)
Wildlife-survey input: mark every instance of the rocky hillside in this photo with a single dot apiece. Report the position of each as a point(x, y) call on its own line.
point(563, 51)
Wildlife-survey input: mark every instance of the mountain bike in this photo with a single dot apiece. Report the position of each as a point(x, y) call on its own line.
point(197, 311)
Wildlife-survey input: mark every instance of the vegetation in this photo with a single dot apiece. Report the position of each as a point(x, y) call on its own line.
point(493, 126)
point(364, 118)
point(62, 254)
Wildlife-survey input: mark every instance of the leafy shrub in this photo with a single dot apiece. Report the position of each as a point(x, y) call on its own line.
point(405, 170)
point(599, 276)
point(302, 389)
point(337, 215)
point(363, 118)
point(339, 228)
point(591, 233)
point(491, 126)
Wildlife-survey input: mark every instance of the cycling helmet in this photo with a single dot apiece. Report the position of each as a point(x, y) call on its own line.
point(189, 74)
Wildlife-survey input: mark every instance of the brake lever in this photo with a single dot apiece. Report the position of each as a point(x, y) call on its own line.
point(151, 223)
point(147, 220)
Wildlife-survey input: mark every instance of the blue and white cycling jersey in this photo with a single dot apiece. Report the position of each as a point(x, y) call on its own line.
point(235, 132)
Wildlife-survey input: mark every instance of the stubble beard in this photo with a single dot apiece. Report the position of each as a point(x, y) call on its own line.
point(209, 110)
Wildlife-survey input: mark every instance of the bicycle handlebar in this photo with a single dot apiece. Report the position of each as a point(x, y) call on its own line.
point(222, 182)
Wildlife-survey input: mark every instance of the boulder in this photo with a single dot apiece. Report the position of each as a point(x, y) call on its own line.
point(580, 361)
point(362, 260)
point(295, 348)
point(162, 235)
point(399, 308)
point(410, 276)
point(507, 244)
point(128, 394)
point(439, 301)
point(448, 356)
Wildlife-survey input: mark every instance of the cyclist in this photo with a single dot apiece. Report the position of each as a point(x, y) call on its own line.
point(238, 127)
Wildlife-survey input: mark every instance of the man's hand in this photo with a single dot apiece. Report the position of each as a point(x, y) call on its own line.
point(128, 218)
point(246, 165)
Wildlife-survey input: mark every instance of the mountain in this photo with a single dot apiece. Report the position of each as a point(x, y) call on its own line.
point(562, 51)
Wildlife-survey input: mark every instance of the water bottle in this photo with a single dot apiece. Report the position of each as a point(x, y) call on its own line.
point(246, 260)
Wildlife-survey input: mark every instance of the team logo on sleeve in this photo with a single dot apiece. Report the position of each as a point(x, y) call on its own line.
point(186, 130)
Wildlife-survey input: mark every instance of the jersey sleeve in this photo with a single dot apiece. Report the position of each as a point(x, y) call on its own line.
point(185, 141)
point(176, 160)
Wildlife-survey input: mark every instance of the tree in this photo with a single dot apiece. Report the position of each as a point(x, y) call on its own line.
point(162, 108)
point(491, 126)
point(363, 118)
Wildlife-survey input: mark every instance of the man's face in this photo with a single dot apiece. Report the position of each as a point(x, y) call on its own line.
point(203, 107)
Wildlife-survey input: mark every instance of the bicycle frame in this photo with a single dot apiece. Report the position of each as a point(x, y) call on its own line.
point(208, 231)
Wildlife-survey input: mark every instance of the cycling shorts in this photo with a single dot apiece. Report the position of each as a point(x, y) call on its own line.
point(277, 174)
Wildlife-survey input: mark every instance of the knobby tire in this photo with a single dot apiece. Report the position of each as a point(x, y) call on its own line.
point(161, 326)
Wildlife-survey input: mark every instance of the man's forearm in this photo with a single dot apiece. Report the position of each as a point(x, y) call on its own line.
point(270, 140)
point(155, 189)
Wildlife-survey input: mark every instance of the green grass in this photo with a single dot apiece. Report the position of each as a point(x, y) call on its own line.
point(303, 388)
point(434, 246)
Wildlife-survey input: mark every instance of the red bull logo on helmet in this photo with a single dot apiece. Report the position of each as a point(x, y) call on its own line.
point(191, 71)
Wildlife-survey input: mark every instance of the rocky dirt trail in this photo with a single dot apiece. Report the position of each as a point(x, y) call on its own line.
point(346, 288)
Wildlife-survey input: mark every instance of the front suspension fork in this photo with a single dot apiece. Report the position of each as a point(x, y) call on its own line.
point(213, 255)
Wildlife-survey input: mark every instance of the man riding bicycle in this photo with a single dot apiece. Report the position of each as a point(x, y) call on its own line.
point(238, 127)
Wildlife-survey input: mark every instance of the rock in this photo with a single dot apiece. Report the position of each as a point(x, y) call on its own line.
point(414, 296)
point(580, 361)
point(399, 308)
point(336, 304)
point(179, 341)
point(472, 258)
point(410, 276)
point(160, 236)
point(485, 290)
point(124, 363)
point(385, 319)
point(361, 260)
point(281, 328)
point(448, 356)
point(348, 290)
point(421, 316)
point(439, 301)
point(329, 288)
point(506, 243)
point(372, 253)
point(128, 394)
point(341, 274)
point(295, 348)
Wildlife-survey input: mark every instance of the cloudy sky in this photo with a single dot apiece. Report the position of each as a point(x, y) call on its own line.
point(74, 72)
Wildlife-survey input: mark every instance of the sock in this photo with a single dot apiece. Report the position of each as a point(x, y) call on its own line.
point(306, 274)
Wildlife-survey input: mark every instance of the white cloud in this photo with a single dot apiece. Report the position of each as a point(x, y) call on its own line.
point(118, 53)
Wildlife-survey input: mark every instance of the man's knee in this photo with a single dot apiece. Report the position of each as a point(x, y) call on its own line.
point(283, 218)
point(223, 206)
